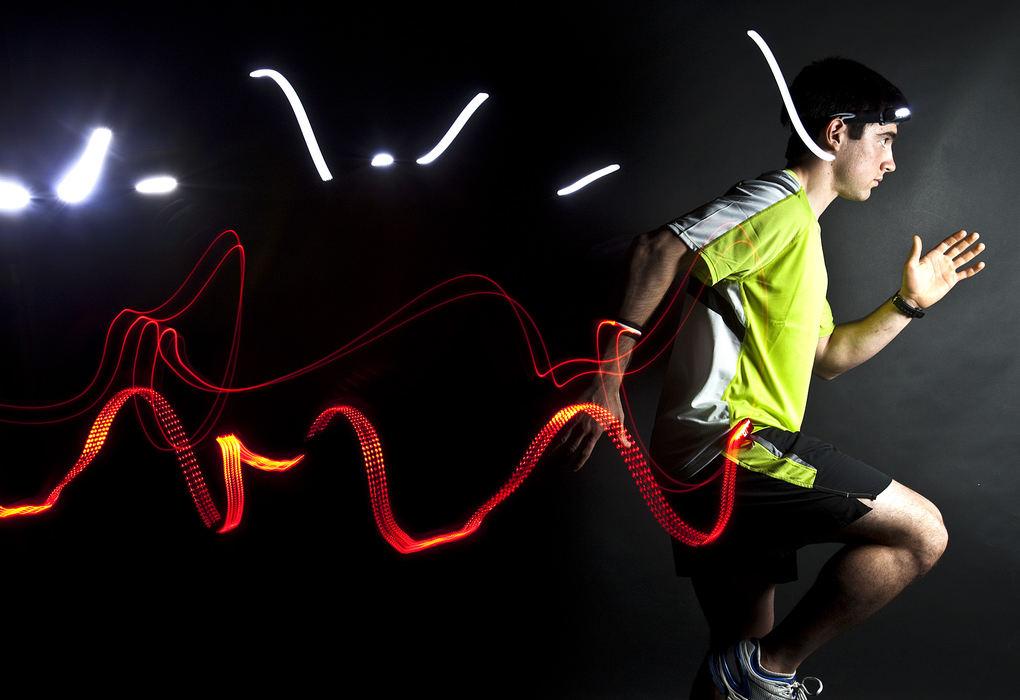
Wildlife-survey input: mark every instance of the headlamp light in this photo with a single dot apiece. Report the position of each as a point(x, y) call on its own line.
point(889, 115)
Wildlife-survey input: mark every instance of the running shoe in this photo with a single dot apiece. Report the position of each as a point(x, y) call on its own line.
point(738, 675)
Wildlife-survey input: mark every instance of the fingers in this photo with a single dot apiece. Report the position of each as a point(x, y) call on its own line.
point(574, 433)
point(585, 454)
point(585, 429)
point(963, 244)
point(970, 271)
point(965, 255)
point(577, 440)
point(950, 241)
point(963, 252)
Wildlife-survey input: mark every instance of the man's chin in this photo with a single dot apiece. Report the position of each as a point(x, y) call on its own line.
point(856, 196)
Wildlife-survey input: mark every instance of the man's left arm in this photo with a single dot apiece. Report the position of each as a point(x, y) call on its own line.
point(925, 280)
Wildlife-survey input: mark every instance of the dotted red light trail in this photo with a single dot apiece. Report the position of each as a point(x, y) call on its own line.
point(166, 348)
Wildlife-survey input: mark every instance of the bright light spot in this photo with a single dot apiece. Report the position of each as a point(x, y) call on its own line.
point(160, 184)
point(588, 179)
point(13, 196)
point(81, 179)
point(787, 100)
point(458, 124)
point(381, 160)
point(302, 118)
point(902, 112)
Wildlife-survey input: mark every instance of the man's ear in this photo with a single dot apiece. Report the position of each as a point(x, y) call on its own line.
point(835, 135)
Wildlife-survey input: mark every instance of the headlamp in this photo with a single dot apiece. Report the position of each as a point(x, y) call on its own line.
point(889, 115)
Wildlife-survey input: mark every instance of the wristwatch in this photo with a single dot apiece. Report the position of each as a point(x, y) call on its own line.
point(904, 308)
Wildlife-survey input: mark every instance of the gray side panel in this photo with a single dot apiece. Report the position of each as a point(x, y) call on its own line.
point(692, 418)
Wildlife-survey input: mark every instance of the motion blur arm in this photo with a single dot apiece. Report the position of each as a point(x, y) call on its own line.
point(654, 264)
point(654, 261)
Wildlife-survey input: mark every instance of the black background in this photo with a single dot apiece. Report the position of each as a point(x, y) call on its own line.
point(567, 590)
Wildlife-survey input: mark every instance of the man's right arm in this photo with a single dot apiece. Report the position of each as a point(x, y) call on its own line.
point(655, 261)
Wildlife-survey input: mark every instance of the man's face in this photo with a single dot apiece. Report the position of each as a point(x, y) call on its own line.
point(862, 163)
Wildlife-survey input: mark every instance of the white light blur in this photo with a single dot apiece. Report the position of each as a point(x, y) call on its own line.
point(902, 112)
point(81, 179)
point(13, 196)
point(381, 160)
point(451, 134)
point(302, 118)
point(588, 179)
point(787, 100)
point(158, 184)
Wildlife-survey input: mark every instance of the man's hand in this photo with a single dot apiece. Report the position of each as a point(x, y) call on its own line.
point(578, 439)
point(928, 279)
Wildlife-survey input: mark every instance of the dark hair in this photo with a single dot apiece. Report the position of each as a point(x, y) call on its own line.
point(833, 85)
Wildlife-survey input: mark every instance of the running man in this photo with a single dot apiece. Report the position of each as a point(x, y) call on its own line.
point(759, 326)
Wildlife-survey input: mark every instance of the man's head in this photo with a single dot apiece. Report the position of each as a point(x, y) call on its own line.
point(833, 88)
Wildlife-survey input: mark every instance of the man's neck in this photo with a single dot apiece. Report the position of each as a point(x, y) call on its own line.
point(816, 177)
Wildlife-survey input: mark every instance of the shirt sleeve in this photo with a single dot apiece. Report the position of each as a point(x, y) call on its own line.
point(827, 324)
point(741, 231)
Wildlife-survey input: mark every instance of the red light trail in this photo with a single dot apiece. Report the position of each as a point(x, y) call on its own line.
point(173, 437)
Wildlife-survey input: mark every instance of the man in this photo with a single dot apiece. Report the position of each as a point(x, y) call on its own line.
point(759, 325)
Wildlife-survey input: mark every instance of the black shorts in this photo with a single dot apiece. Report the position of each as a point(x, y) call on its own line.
point(772, 518)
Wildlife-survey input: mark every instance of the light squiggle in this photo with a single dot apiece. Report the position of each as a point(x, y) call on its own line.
point(302, 119)
point(454, 129)
point(235, 454)
point(171, 427)
point(787, 100)
point(167, 349)
point(81, 179)
point(588, 179)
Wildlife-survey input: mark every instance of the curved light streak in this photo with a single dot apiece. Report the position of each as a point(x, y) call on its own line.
point(13, 197)
point(382, 160)
point(171, 436)
point(787, 100)
point(159, 184)
point(588, 179)
point(302, 119)
point(235, 454)
point(454, 129)
point(174, 433)
point(81, 179)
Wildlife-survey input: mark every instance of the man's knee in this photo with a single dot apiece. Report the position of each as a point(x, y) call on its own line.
point(932, 539)
point(928, 536)
point(907, 520)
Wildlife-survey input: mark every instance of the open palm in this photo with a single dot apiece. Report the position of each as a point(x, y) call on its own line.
point(928, 279)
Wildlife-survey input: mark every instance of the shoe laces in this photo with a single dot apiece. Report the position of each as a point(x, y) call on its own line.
point(802, 690)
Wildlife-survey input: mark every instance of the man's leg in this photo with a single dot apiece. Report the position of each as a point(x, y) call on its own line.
point(897, 542)
point(735, 609)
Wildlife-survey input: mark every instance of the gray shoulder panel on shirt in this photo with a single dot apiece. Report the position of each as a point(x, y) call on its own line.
point(744, 200)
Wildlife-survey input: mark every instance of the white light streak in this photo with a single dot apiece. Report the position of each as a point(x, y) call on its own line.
point(382, 160)
point(902, 112)
point(302, 118)
point(158, 184)
point(13, 196)
point(458, 124)
point(588, 179)
point(787, 100)
point(81, 179)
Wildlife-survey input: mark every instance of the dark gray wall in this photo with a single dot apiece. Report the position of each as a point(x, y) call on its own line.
point(567, 591)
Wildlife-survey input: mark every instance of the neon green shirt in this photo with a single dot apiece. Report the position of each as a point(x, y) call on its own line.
point(748, 346)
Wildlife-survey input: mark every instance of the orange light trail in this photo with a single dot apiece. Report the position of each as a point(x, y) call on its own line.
point(235, 454)
point(166, 348)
